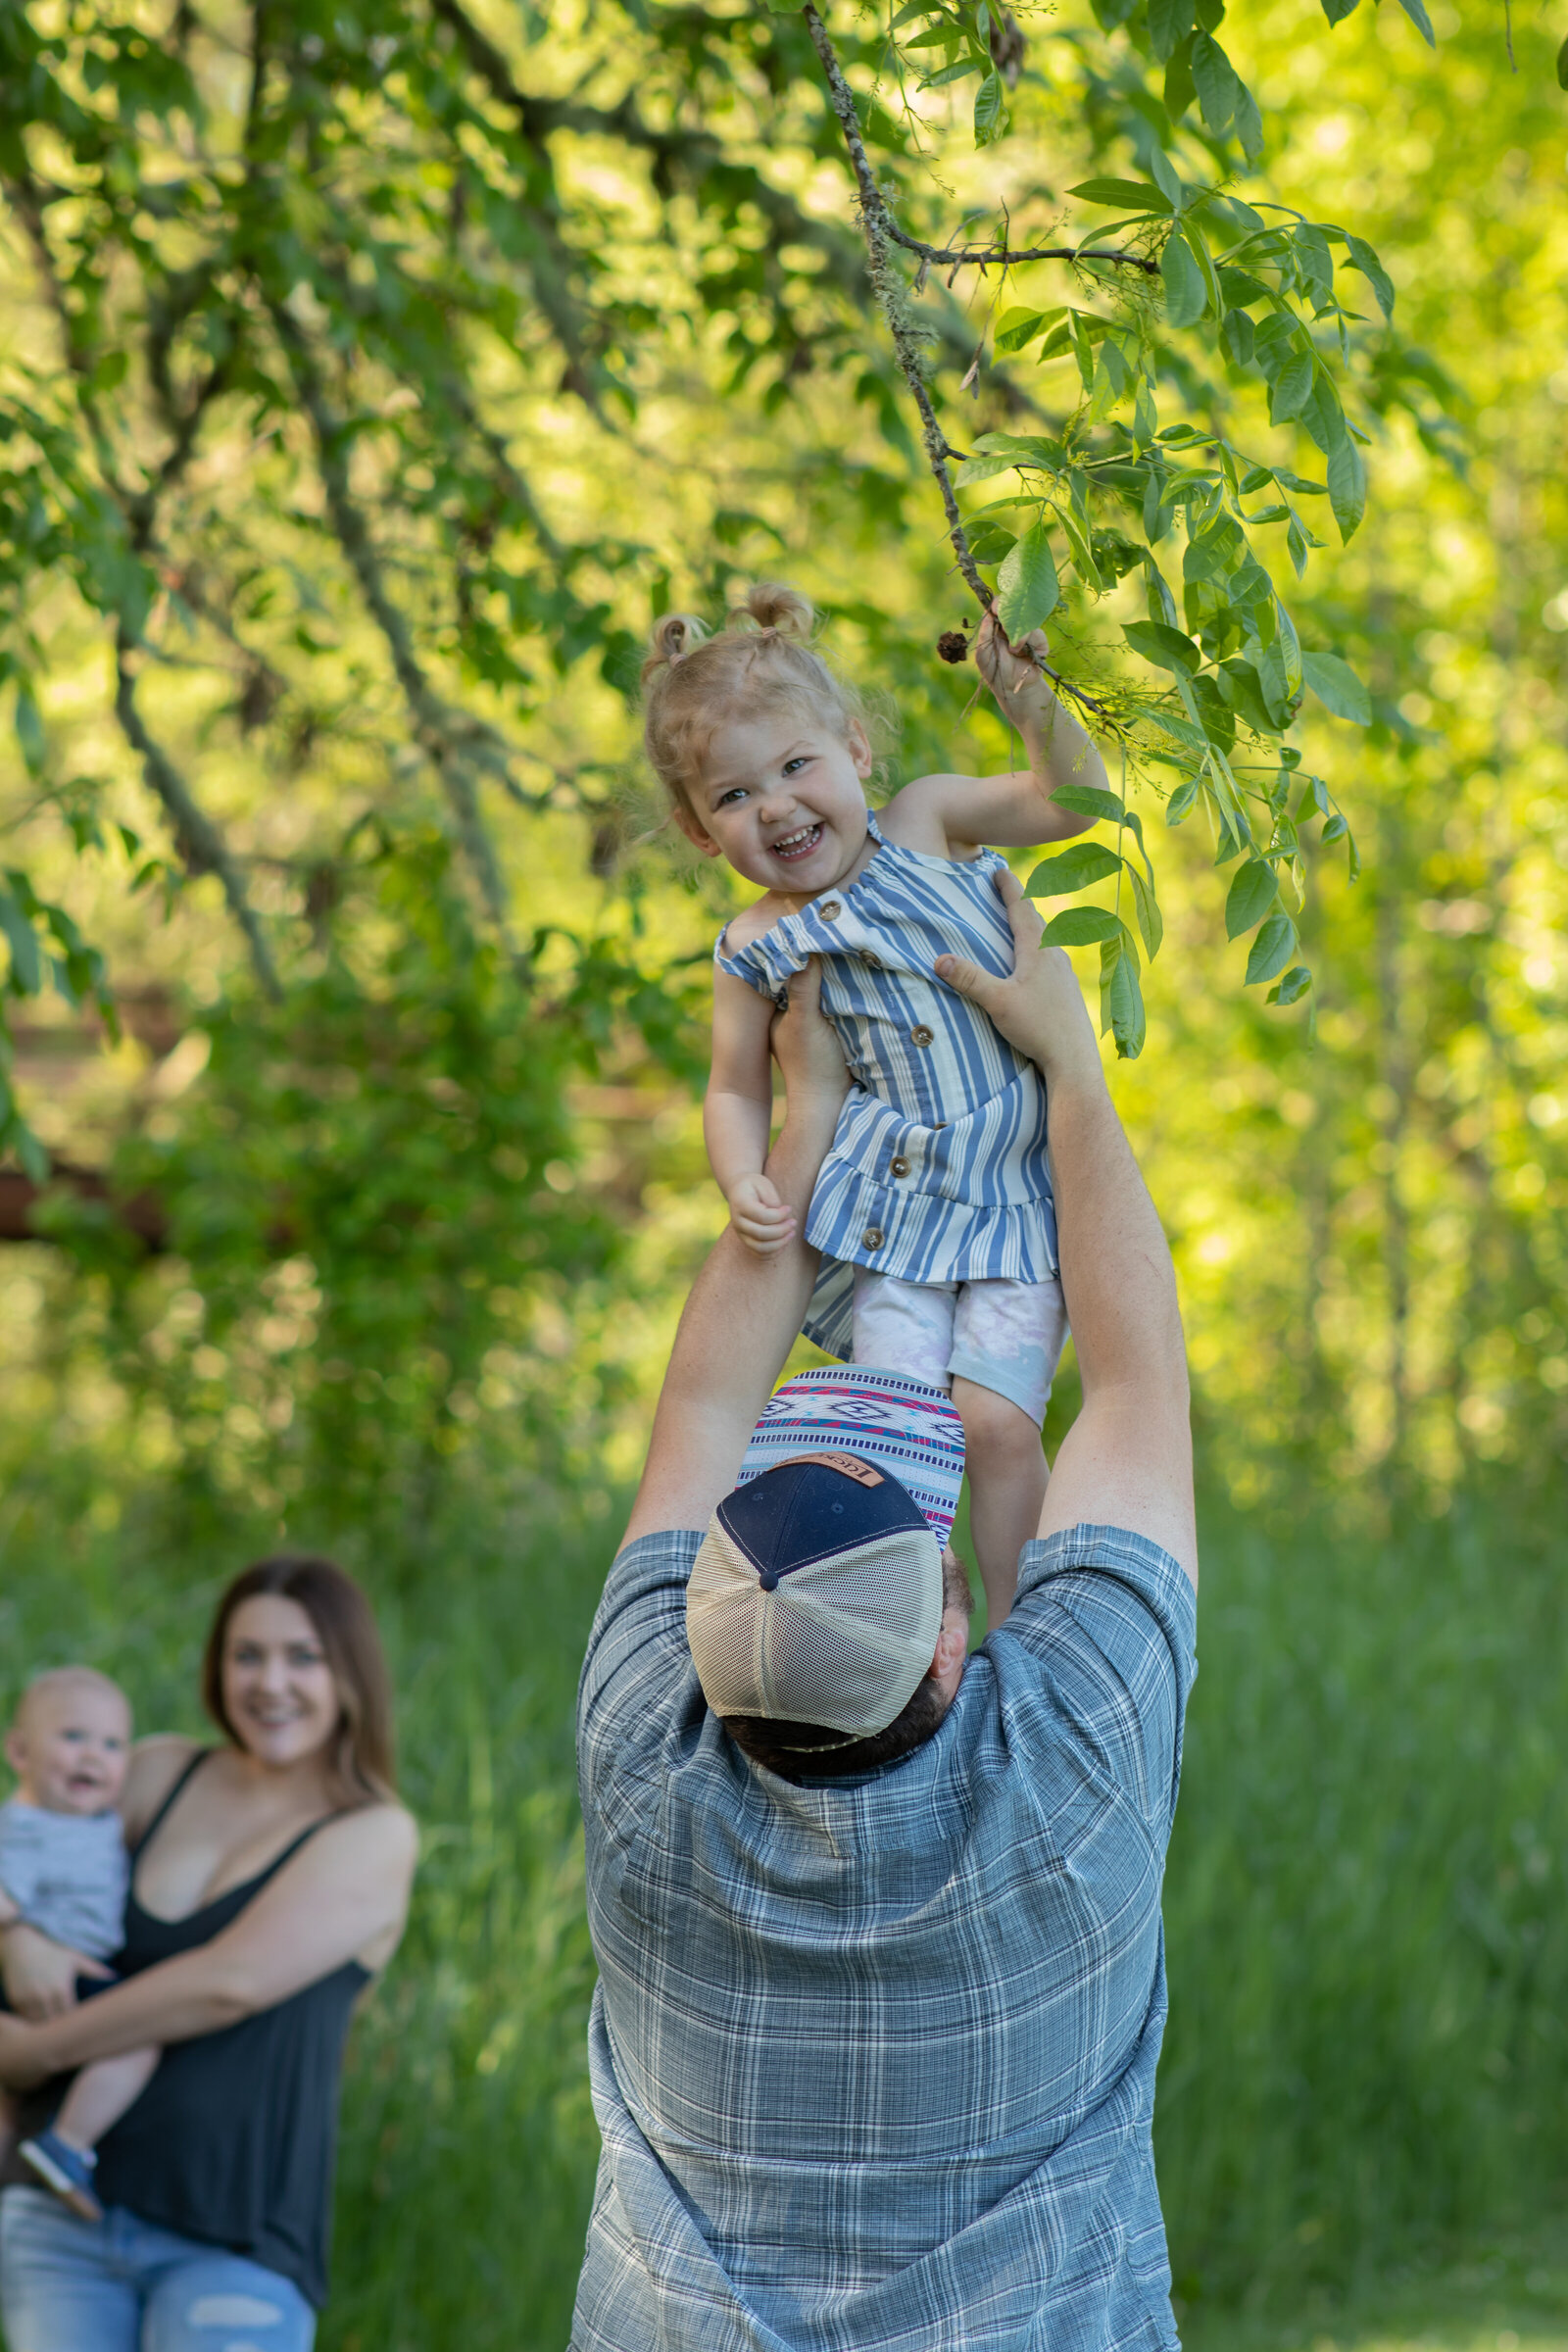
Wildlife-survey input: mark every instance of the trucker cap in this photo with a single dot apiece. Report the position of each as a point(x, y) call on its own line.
point(816, 1594)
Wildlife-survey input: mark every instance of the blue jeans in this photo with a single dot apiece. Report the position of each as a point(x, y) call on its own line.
point(125, 2285)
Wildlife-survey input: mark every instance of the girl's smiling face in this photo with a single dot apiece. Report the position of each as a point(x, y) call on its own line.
point(782, 799)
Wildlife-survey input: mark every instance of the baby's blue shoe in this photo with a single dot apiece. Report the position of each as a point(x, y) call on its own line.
point(67, 2171)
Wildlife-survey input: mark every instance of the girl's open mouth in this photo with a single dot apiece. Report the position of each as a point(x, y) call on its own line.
point(798, 844)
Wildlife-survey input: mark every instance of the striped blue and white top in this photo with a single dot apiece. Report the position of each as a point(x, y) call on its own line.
point(938, 1170)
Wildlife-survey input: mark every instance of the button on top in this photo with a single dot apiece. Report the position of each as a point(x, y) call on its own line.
point(872, 1237)
point(830, 909)
point(900, 1166)
point(872, 963)
point(921, 1035)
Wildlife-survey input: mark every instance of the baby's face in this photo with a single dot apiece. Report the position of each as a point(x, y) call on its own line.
point(783, 799)
point(70, 1746)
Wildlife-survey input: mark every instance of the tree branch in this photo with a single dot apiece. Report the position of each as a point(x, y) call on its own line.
point(428, 713)
point(893, 300)
point(201, 845)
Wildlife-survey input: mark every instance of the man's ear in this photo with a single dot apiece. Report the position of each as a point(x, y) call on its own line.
point(952, 1648)
point(693, 829)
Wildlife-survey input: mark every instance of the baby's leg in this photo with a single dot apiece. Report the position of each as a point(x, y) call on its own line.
point(1007, 1339)
point(100, 2096)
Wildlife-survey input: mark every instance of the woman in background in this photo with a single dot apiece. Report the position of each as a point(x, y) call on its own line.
point(271, 1883)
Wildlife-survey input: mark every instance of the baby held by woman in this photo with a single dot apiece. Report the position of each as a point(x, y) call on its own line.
point(64, 1870)
point(933, 1212)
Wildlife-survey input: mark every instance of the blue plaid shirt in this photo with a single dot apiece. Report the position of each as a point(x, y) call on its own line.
point(873, 2062)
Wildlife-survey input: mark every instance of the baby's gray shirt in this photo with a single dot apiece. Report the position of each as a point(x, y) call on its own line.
point(67, 1874)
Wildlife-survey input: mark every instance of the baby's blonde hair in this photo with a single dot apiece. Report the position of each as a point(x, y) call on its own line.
point(761, 661)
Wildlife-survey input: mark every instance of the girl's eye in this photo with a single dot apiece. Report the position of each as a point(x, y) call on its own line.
point(790, 765)
point(735, 793)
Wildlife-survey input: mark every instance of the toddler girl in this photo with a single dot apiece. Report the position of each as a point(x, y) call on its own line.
point(933, 1212)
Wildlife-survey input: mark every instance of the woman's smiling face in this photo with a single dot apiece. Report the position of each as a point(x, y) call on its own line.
point(279, 1693)
point(782, 800)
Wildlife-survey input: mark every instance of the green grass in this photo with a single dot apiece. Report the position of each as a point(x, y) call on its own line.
point(1363, 2100)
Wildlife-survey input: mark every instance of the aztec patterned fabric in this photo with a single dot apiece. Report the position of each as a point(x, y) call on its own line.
point(875, 2062)
point(905, 1427)
point(938, 1170)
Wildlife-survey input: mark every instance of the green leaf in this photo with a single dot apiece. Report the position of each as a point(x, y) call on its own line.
point(1562, 67)
point(1151, 922)
point(1126, 195)
point(956, 73)
point(1185, 295)
point(1296, 983)
point(990, 110)
point(1085, 862)
point(1237, 336)
point(27, 967)
point(1254, 886)
point(1272, 949)
point(1167, 647)
point(1027, 588)
point(1081, 927)
point(1178, 90)
point(1121, 999)
point(1360, 255)
point(1337, 11)
point(1418, 16)
point(1216, 82)
point(1091, 800)
point(1017, 329)
point(1249, 123)
point(982, 469)
point(1347, 487)
point(29, 730)
point(1338, 688)
point(1169, 24)
point(1291, 389)
point(1166, 178)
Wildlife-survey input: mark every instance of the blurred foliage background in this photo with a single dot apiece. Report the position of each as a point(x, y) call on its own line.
point(360, 412)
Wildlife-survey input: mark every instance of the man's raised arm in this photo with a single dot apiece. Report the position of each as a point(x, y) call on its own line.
point(1127, 1461)
point(744, 1311)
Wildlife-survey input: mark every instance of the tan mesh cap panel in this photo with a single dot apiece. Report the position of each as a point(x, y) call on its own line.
point(842, 1641)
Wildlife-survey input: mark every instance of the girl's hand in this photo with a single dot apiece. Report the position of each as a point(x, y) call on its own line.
point(1017, 682)
point(764, 1221)
point(40, 1974)
point(22, 2066)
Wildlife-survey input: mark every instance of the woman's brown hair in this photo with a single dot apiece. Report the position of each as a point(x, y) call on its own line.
point(345, 1627)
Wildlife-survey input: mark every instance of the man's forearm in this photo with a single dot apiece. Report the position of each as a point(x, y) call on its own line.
point(738, 1326)
point(1116, 1266)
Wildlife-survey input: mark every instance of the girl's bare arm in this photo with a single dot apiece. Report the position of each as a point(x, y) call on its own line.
point(738, 1114)
point(954, 815)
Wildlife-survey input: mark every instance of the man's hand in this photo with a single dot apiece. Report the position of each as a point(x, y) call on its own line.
point(806, 1045)
point(763, 1220)
point(40, 1974)
point(22, 2066)
point(1040, 1008)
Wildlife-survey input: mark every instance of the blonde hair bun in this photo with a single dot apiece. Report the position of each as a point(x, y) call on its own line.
point(773, 605)
point(671, 637)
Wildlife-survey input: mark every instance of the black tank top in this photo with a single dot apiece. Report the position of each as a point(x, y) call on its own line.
point(234, 2138)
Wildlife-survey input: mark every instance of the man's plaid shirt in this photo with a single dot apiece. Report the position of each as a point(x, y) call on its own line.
point(874, 2061)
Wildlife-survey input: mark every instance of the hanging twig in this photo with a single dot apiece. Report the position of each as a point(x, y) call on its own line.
point(909, 335)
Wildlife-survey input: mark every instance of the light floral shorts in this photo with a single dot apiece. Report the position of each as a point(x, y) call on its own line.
point(1005, 1336)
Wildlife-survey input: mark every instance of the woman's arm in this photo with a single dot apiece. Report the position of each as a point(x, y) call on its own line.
point(738, 1114)
point(344, 1897)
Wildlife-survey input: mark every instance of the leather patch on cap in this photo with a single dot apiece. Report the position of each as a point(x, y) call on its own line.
point(847, 1465)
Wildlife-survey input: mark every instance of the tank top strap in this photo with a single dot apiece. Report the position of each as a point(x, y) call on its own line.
point(255, 1886)
point(164, 1809)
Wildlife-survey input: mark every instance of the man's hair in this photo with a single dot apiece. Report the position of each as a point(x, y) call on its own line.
point(812, 1751)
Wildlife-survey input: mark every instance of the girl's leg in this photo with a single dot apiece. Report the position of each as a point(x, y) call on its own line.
point(201, 2299)
point(1007, 1467)
point(1007, 1339)
point(62, 2286)
point(100, 2096)
point(903, 1325)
